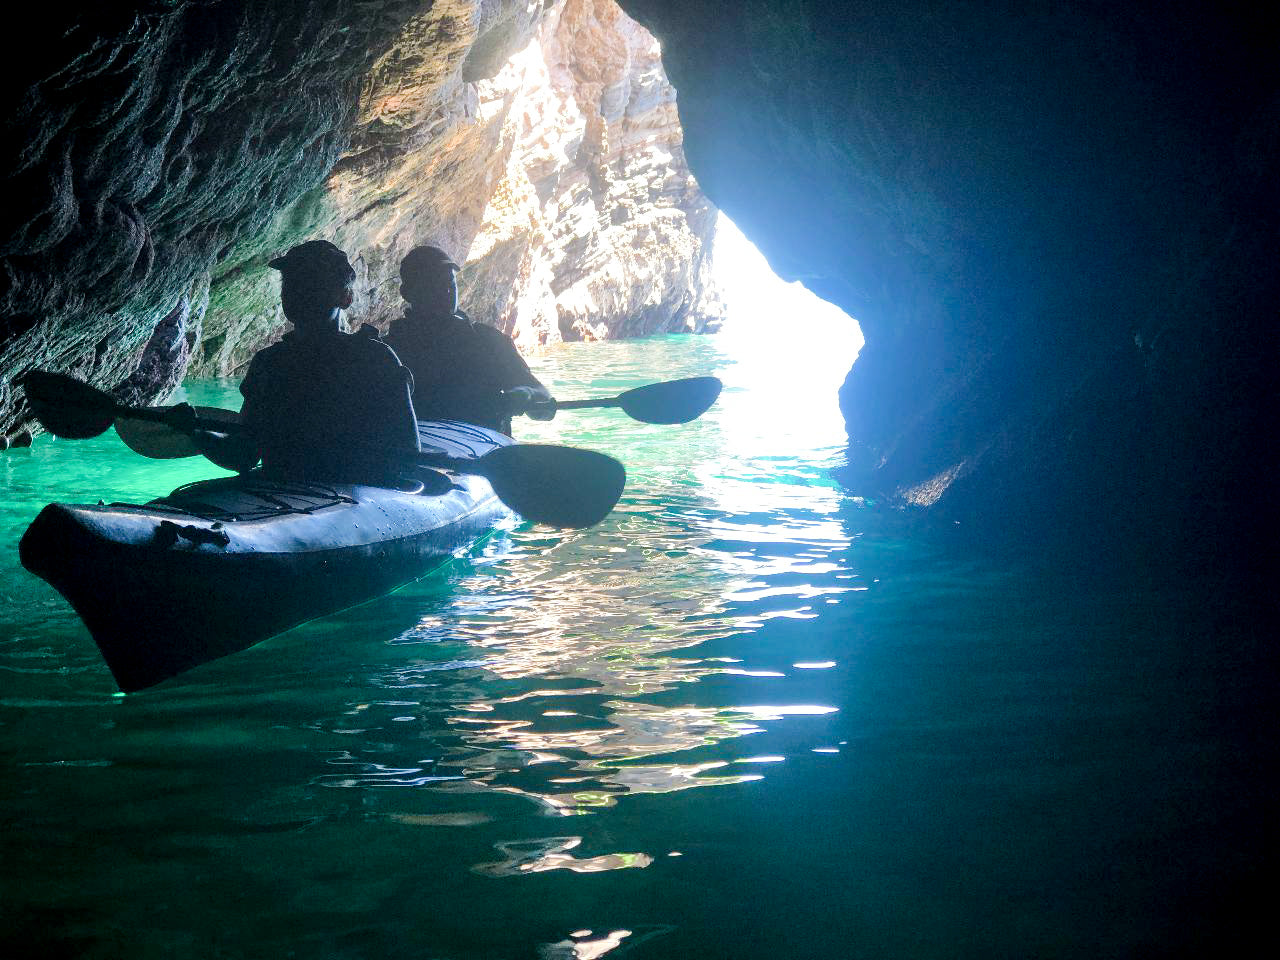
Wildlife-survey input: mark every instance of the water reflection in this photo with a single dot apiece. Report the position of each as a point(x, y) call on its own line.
point(586, 945)
point(553, 853)
point(570, 670)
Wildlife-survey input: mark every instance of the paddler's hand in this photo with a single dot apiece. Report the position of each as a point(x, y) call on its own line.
point(181, 417)
point(533, 403)
point(542, 409)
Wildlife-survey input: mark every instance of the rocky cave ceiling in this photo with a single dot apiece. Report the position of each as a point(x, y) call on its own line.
point(164, 150)
point(1053, 222)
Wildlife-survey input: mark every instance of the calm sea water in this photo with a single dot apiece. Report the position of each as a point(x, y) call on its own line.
point(741, 718)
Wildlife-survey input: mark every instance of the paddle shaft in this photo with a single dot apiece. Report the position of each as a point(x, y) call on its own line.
point(584, 404)
point(675, 401)
point(561, 486)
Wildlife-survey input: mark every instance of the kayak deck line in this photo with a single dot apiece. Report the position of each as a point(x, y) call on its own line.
point(275, 498)
point(164, 587)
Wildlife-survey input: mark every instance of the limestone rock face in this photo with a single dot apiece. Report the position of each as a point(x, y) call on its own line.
point(416, 169)
point(596, 227)
point(539, 146)
point(166, 149)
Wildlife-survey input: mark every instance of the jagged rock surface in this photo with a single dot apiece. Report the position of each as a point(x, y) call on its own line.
point(155, 138)
point(596, 228)
point(541, 148)
point(168, 148)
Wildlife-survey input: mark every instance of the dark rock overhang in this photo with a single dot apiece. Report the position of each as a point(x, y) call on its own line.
point(144, 143)
point(159, 152)
point(1055, 224)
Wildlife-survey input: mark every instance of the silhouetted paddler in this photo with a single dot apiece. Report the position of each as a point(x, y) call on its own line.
point(322, 404)
point(462, 370)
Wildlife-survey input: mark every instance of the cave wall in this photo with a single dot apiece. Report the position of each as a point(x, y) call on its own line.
point(1055, 225)
point(596, 228)
point(142, 143)
point(165, 150)
point(549, 164)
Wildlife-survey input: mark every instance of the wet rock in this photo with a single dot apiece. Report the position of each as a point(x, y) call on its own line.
point(161, 152)
point(163, 362)
point(596, 228)
point(148, 141)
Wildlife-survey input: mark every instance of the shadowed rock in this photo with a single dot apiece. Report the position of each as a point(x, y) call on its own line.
point(164, 150)
point(1054, 224)
point(154, 139)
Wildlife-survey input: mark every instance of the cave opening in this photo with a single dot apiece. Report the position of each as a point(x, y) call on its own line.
point(791, 347)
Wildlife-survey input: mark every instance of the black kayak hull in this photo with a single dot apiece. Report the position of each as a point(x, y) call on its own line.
point(221, 565)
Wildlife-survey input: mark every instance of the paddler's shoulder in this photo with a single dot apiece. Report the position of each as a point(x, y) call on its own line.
point(367, 344)
point(273, 354)
point(487, 333)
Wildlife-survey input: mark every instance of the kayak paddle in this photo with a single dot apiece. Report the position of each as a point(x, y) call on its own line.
point(73, 410)
point(165, 442)
point(162, 441)
point(559, 486)
point(675, 401)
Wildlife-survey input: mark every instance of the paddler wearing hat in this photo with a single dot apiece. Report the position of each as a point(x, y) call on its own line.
point(462, 370)
point(322, 404)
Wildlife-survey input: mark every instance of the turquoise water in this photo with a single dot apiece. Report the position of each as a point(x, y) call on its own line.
point(744, 717)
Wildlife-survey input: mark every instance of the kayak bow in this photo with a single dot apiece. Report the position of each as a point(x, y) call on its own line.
point(219, 565)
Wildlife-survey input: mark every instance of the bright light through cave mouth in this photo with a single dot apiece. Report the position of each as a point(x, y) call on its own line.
point(793, 348)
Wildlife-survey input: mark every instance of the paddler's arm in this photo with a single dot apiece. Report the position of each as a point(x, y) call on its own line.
point(526, 395)
point(236, 450)
point(232, 451)
point(400, 424)
point(535, 402)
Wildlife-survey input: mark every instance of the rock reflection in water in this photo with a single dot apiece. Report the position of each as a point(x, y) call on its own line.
point(586, 945)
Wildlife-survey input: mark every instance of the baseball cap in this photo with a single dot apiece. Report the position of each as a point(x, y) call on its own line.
point(316, 258)
point(426, 258)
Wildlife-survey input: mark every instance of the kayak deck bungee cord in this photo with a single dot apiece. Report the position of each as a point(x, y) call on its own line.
point(219, 565)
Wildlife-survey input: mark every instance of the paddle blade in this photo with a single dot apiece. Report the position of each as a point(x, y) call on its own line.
point(558, 486)
point(160, 441)
point(68, 408)
point(676, 401)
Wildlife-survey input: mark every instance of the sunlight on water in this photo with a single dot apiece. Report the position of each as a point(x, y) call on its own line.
point(728, 523)
point(560, 671)
point(726, 722)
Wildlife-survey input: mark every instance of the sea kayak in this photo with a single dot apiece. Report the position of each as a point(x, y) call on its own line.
point(219, 565)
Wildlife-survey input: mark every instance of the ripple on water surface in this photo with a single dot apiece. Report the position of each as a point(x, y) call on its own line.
point(721, 723)
point(541, 674)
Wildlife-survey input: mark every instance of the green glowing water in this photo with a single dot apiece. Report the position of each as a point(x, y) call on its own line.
point(734, 720)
